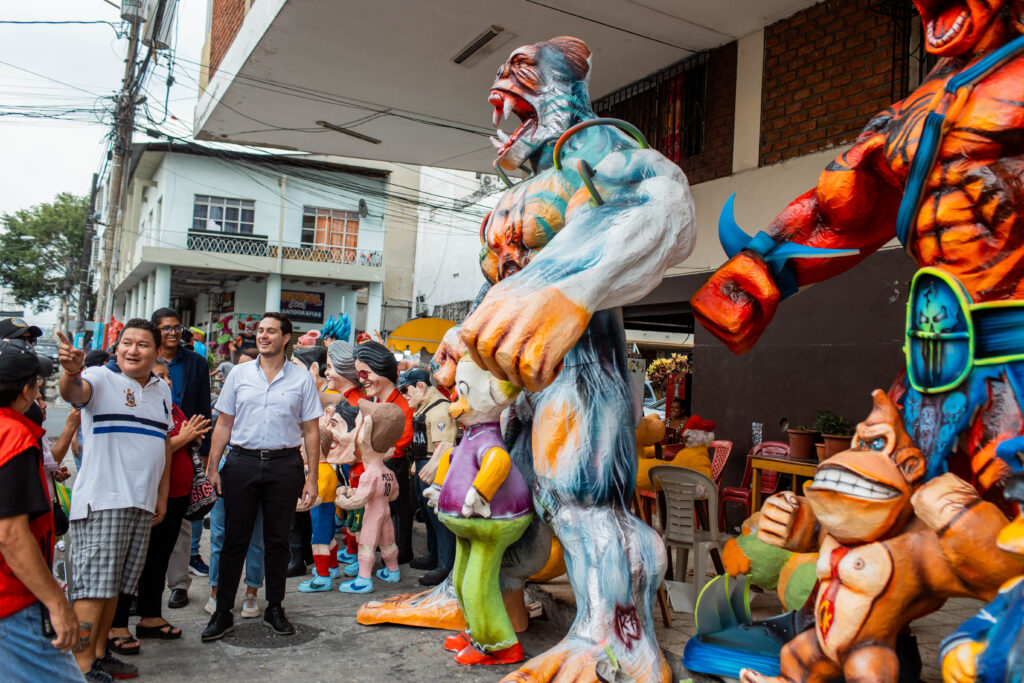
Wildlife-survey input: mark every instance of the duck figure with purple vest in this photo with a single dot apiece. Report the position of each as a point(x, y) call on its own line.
point(482, 497)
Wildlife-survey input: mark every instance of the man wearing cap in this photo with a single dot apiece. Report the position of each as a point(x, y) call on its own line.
point(121, 490)
point(33, 609)
point(17, 328)
point(431, 425)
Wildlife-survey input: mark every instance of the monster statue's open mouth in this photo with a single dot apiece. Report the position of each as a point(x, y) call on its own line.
point(509, 267)
point(944, 21)
point(506, 103)
point(842, 480)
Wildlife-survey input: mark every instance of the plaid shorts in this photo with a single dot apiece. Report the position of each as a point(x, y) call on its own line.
point(108, 551)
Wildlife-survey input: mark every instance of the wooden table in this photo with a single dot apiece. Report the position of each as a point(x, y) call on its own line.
point(777, 463)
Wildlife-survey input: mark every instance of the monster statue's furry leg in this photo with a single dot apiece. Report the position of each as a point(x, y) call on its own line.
point(585, 465)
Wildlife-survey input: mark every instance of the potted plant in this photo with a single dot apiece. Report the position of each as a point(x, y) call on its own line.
point(801, 442)
point(660, 368)
point(835, 430)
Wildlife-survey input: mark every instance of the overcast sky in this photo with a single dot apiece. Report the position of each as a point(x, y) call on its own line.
point(42, 157)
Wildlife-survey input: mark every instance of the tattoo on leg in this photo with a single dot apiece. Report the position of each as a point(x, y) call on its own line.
point(84, 635)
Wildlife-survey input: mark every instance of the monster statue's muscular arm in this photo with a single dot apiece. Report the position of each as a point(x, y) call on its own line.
point(853, 207)
point(604, 256)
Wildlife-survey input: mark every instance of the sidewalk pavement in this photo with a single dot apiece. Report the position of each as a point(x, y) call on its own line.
point(330, 645)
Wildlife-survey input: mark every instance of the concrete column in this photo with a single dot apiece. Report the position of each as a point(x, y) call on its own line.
point(273, 302)
point(349, 306)
point(746, 140)
point(162, 288)
point(374, 307)
point(138, 294)
point(129, 303)
point(140, 298)
point(148, 309)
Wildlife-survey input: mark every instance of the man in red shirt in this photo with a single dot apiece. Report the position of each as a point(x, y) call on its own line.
point(378, 373)
point(33, 609)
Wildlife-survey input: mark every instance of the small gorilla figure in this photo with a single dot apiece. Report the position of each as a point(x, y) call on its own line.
point(891, 549)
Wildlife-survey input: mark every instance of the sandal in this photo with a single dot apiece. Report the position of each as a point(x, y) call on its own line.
point(123, 645)
point(162, 632)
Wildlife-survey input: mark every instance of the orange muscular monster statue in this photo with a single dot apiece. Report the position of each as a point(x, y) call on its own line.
point(941, 170)
point(891, 549)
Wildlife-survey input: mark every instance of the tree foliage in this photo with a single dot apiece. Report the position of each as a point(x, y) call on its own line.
point(41, 248)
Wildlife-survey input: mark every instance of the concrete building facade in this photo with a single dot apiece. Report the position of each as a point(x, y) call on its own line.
point(219, 234)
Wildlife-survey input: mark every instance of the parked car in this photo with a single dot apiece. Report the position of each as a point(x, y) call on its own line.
point(649, 395)
point(657, 408)
point(47, 352)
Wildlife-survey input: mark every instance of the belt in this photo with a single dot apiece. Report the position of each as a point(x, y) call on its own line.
point(948, 334)
point(266, 453)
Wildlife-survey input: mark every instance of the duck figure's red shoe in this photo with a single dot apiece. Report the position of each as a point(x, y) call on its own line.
point(470, 656)
point(455, 643)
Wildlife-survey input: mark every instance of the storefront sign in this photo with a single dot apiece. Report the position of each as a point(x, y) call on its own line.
point(303, 306)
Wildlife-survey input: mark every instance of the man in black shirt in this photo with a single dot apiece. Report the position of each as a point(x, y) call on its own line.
point(31, 601)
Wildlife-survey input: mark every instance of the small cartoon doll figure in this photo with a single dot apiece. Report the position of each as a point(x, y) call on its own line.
point(378, 428)
point(322, 515)
point(482, 497)
point(989, 647)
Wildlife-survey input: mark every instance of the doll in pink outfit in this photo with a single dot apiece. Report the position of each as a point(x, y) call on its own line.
point(378, 428)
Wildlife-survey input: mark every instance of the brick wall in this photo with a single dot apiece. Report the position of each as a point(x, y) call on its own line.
point(827, 70)
point(227, 18)
point(715, 160)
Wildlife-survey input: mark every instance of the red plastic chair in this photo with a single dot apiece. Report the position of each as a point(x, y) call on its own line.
point(769, 480)
point(722, 450)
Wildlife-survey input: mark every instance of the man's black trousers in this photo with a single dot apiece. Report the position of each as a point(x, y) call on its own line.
point(248, 482)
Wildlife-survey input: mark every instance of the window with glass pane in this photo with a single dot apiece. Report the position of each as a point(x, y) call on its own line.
point(331, 230)
point(223, 214)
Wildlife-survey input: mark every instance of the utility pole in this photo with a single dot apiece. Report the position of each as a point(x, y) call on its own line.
point(124, 125)
point(86, 258)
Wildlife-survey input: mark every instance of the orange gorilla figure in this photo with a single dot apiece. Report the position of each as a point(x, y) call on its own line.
point(940, 170)
point(891, 549)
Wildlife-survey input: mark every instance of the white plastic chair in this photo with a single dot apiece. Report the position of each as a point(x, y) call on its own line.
point(678, 519)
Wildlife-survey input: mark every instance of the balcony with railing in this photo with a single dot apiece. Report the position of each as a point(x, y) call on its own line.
point(260, 245)
point(228, 243)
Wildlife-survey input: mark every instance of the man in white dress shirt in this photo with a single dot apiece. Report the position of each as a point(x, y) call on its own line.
point(267, 408)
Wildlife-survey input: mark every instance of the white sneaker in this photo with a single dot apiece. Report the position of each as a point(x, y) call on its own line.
point(211, 605)
point(250, 610)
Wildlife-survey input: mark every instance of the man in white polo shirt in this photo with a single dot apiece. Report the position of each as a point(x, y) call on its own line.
point(267, 409)
point(121, 490)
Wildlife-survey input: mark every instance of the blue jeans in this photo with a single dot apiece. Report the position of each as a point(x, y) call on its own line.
point(254, 556)
point(197, 534)
point(28, 655)
point(440, 539)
